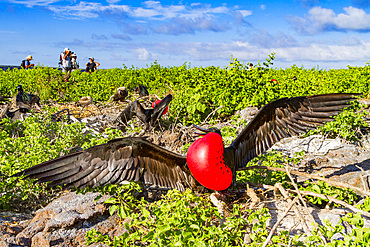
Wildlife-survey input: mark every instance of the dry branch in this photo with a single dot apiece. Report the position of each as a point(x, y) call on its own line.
point(278, 222)
point(295, 208)
point(221, 207)
point(303, 201)
point(329, 181)
point(330, 198)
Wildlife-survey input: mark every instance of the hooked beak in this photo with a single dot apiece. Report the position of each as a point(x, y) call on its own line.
point(203, 133)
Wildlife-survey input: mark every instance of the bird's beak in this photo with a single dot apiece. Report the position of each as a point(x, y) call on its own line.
point(203, 133)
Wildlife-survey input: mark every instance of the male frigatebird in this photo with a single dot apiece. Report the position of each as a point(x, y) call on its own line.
point(147, 116)
point(142, 90)
point(25, 101)
point(212, 165)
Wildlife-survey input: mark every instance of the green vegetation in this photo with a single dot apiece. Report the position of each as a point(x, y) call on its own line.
point(35, 140)
point(197, 91)
point(347, 124)
point(180, 219)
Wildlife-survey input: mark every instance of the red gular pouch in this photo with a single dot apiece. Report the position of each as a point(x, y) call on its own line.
point(156, 103)
point(205, 159)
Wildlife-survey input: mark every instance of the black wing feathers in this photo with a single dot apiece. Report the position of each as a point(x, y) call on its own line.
point(126, 159)
point(147, 116)
point(159, 109)
point(285, 118)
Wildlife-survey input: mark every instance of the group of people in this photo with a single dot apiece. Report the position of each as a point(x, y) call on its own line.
point(68, 61)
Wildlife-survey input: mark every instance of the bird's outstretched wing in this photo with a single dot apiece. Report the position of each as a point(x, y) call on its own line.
point(125, 159)
point(284, 118)
point(159, 109)
point(126, 115)
point(147, 116)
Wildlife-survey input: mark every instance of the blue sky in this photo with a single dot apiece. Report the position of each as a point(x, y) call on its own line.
point(328, 34)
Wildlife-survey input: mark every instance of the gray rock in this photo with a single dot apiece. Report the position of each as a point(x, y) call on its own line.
point(64, 222)
point(247, 113)
point(332, 158)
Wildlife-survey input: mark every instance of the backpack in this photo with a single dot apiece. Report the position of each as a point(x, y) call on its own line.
point(23, 64)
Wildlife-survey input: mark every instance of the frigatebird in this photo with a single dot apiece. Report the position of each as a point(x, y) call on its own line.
point(25, 101)
point(212, 165)
point(142, 90)
point(120, 94)
point(147, 116)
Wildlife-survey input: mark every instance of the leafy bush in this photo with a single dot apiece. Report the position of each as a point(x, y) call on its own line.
point(347, 124)
point(179, 219)
point(35, 140)
point(272, 159)
point(197, 91)
point(324, 188)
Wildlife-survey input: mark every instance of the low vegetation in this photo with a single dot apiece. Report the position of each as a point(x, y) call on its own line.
point(183, 219)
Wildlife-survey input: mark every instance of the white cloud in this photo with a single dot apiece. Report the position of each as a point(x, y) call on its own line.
point(113, 1)
point(321, 19)
point(263, 6)
point(151, 10)
point(85, 10)
point(118, 57)
point(143, 54)
point(245, 12)
point(245, 51)
point(31, 3)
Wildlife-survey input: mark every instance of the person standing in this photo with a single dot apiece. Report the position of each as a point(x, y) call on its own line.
point(74, 63)
point(91, 66)
point(66, 63)
point(26, 63)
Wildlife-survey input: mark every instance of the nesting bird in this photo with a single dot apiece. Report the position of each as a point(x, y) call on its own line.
point(120, 94)
point(207, 162)
point(25, 101)
point(142, 90)
point(147, 116)
point(84, 101)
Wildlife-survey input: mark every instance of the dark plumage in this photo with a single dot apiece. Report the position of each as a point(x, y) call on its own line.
point(25, 101)
point(120, 94)
point(126, 159)
point(142, 90)
point(147, 116)
point(135, 159)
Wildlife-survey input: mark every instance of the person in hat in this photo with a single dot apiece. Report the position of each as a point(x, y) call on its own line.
point(74, 63)
point(26, 63)
point(91, 65)
point(66, 62)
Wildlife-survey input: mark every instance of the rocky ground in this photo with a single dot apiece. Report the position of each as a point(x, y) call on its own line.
point(65, 221)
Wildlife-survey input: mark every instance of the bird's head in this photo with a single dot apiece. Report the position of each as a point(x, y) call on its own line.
point(205, 159)
point(206, 131)
point(19, 88)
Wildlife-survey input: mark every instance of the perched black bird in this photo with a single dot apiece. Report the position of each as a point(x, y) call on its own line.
point(25, 101)
point(135, 159)
point(147, 116)
point(120, 94)
point(142, 90)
